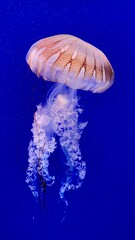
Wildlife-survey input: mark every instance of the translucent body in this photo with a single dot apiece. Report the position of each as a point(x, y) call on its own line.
point(73, 64)
point(58, 117)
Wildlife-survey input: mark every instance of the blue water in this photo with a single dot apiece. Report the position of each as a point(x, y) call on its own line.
point(104, 207)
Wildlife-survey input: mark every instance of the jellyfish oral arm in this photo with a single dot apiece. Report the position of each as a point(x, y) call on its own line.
point(60, 116)
point(39, 149)
point(69, 141)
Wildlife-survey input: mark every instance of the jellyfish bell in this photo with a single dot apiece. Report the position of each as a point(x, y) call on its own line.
point(69, 60)
point(72, 64)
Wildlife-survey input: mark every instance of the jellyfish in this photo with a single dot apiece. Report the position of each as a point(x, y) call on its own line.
point(71, 64)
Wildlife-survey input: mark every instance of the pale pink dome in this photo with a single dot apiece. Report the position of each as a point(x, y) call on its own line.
point(69, 60)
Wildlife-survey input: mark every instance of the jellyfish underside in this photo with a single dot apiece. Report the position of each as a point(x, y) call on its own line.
point(59, 116)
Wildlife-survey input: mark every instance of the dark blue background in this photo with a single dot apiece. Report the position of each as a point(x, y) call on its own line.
point(104, 208)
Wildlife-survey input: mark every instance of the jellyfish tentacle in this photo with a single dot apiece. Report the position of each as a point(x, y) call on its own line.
point(40, 148)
